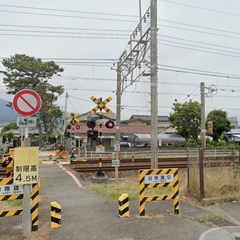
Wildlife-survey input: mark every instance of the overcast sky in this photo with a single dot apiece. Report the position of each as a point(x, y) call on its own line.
point(198, 41)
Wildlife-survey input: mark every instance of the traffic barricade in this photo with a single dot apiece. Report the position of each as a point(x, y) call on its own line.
point(158, 178)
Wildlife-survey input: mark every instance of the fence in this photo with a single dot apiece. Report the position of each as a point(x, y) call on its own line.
point(212, 173)
point(164, 153)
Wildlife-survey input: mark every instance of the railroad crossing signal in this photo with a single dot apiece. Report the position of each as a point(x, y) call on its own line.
point(109, 124)
point(73, 117)
point(91, 124)
point(101, 105)
point(92, 134)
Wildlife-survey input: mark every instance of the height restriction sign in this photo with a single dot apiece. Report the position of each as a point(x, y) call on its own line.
point(27, 102)
point(25, 165)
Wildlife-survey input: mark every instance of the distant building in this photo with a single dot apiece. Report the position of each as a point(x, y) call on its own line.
point(233, 122)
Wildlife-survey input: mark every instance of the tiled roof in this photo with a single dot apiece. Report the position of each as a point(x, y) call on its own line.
point(123, 129)
point(148, 117)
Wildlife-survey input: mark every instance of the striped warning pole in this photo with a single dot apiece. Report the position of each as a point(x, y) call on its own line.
point(123, 206)
point(7, 162)
point(50, 157)
point(34, 207)
point(73, 143)
point(101, 105)
point(100, 173)
point(56, 215)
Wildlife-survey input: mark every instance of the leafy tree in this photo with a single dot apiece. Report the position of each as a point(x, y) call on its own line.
point(192, 143)
point(9, 127)
point(186, 119)
point(8, 135)
point(25, 72)
point(220, 123)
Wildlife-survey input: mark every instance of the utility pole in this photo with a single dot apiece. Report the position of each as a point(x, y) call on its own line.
point(154, 86)
point(118, 115)
point(64, 120)
point(129, 65)
point(202, 87)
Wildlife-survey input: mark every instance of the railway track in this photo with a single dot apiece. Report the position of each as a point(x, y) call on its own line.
point(127, 165)
point(142, 160)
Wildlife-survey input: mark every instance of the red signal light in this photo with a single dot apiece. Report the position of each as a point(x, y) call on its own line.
point(109, 124)
point(92, 134)
point(77, 127)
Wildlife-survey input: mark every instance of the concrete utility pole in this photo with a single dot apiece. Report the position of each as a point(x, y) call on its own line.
point(64, 120)
point(202, 87)
point(154, 86)
point(118, 120)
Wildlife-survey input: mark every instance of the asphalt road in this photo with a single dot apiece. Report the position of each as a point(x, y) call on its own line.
point(89, 216)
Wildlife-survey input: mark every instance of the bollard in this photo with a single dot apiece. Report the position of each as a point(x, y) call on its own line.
point(56, 215)
point(123, 206)
point(50, 158)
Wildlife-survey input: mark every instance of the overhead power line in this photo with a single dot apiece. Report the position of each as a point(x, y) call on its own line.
point(68, 16)
point(201, 8)
point(65, 10)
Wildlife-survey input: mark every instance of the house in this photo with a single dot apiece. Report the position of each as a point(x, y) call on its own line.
point(233, 135)
point(136, 130)
point(233, 122)
point(163, 123)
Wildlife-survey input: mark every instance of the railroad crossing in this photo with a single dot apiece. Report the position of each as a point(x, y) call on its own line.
point(101, 105)
point(73, 118)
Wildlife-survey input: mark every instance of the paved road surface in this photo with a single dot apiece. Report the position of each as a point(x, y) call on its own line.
point(88, 216)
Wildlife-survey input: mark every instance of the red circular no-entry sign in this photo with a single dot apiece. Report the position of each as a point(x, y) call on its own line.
point(27, 102)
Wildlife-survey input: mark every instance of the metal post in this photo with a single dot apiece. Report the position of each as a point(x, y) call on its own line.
point(26, 199)
point(78, 148)
point(154, 86)
point(100, 173)
point(201, 174)
point(64, 120)
point(202, 87)
point(118, 115)
point(73, 139)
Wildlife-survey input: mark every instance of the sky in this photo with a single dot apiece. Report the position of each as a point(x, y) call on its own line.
point(198, 41)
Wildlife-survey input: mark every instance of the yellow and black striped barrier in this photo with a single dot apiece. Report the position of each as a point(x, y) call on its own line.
point(7, 162)
point(56, 215)
point(34, 207)
point(158, 178)
point(123, 206)
point(5, 184)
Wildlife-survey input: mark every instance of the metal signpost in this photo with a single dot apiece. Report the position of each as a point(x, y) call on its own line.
point(26, 103)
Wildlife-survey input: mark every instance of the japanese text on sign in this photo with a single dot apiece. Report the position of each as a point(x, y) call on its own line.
point(161, 178)
point(10, 190)
point(26, 165)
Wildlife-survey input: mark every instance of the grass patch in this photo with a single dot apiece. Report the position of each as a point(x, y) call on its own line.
point(114, 190)
point(212, 219)
point(129, 185)
point(219, 182)
point(15, 203)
